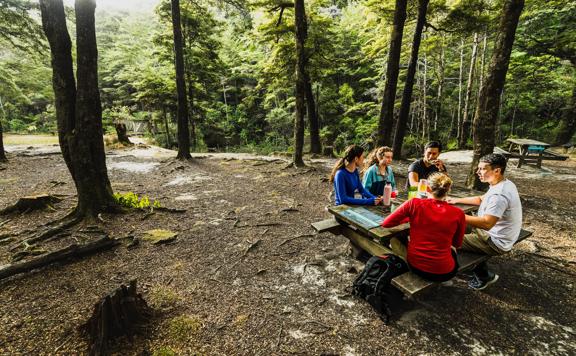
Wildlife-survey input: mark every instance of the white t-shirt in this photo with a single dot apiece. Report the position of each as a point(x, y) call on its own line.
point(502, 200)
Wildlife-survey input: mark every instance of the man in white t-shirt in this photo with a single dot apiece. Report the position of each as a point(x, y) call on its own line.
point(499, 220)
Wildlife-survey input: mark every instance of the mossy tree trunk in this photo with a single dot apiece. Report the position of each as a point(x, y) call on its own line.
point(489, 101)
point(386, 121)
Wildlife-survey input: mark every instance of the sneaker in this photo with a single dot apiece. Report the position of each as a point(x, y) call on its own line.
point(477, 283)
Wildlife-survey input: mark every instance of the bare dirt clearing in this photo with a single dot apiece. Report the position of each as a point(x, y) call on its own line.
point(247, 274)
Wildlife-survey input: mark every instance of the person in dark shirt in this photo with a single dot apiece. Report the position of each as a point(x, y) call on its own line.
point(426, 165)
point(346, 179)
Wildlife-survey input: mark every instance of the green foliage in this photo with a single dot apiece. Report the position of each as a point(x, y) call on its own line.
point(131, 200)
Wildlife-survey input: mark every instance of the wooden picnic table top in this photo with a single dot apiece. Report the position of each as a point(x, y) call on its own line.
point(527, 142)
point(380, 233)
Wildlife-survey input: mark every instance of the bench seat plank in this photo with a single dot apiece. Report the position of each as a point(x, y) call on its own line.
point(410, 284)
point(328, 225)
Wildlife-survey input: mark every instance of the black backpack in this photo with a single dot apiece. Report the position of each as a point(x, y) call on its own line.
point(373, 284)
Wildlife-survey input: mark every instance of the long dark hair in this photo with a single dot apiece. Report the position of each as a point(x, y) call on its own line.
point(350, 153)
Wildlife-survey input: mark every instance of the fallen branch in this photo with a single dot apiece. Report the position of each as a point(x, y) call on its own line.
point(71, 251)
point(270, 224)
point(171, 210)
point(289, 209)
point(252, 247)
point(294, 238)
point(5, 222)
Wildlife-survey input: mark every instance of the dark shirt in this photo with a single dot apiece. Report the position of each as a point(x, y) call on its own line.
point(420, 168)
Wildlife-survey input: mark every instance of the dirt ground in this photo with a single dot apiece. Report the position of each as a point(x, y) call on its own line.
point(247, 275)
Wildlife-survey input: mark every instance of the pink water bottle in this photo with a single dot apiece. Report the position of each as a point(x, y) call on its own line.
point(387, 193)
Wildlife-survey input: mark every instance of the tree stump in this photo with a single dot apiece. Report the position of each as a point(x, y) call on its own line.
point(121, 313)
point(328, 151)
point(122, 135)
point(30, 203)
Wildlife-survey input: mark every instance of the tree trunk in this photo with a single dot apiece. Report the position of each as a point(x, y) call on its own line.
point(466, 122)
point(482, 65)
point(121, 132)
point(567, 126)
point(440, 85)
point(459, 119)
point(63, 82)
point(2, 153)
point(386, 121)
point(79, 112)
point(301, 34)
point(425, 118)
point(192, 121)
point(315, 146)
point(87, 147)
point(409, 85)
point(183, 132)
point(489, 101)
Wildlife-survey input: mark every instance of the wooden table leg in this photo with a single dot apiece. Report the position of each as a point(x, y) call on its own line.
point(523, 153)
point(539, 163)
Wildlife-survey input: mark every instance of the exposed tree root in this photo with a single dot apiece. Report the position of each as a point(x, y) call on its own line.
point(65, 223)
point(121, 313)
point(33, 202)
point(70, 251)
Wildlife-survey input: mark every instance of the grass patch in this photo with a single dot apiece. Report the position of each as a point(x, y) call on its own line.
point(164, 351)
point(162, 297)
point(12, 139)
point(182, 328)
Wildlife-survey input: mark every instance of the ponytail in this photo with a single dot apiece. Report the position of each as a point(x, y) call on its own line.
point(350, 153)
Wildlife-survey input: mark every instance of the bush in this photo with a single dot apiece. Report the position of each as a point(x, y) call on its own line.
point(131, 200)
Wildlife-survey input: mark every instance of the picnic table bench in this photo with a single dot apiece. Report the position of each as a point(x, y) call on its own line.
point(361, 225)
point(529, 151)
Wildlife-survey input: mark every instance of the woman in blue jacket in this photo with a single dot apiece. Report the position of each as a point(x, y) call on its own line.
point(346, 179)
point(377, 172)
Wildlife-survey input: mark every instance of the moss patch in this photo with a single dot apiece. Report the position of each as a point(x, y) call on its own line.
point(158, 236)
point(183, 328)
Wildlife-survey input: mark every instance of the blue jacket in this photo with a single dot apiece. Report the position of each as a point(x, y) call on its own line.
point(345, 184)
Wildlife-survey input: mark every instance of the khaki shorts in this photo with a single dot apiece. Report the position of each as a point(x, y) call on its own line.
point(479, 241)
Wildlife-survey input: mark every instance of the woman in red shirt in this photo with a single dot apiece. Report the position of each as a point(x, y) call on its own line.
point(436, 230)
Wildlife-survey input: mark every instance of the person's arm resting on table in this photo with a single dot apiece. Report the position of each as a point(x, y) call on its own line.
point(399, 216)
point(340, 183)
point(468, 201)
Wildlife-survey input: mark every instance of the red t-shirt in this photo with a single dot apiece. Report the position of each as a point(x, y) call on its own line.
point(435, 226)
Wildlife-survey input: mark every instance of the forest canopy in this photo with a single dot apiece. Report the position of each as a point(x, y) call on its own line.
point(240, 71)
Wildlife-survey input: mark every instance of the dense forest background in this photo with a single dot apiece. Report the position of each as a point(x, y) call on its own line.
point(240, 71)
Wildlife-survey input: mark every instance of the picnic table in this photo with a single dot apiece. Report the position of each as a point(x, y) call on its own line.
point(361, 225)
point(530, 151)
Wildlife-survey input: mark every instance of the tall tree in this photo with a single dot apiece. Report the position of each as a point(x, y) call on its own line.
point(489, 102)
point(315, 145)
point(409, 84)
point(2, 153)
point(466, 122)
point(386, 121)
point(183, 132)
point(78, 111)
point(301, 34)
